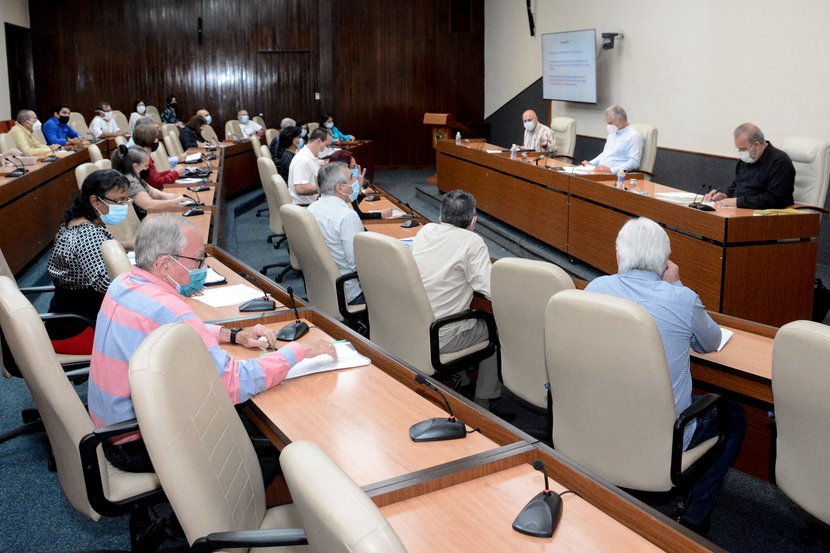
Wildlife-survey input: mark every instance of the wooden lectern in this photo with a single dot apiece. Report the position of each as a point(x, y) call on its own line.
point(444, 126)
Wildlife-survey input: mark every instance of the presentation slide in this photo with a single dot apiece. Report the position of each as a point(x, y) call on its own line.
point(569, 66)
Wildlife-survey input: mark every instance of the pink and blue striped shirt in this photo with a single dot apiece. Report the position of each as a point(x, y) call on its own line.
point(135, 305)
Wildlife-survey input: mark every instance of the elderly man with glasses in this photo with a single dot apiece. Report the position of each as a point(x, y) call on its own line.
point(170, 264)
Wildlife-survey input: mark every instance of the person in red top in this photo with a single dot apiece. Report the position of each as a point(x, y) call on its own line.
point(147, 137)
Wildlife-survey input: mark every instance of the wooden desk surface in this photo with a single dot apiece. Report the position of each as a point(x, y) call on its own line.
point(441, 520)
point(361, 418)
point(389, 227)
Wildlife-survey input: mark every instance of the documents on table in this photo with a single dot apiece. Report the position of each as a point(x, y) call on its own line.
point(189, 180)
point(214, 278)
point(228, 295)
point(347, 358)
point(580, 170)
point(678, 197)
point(396, 213)
point(725, 335)
point(193, 158)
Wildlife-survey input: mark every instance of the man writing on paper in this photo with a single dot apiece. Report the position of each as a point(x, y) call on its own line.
point(764, 176)
point(623, 147)
point(647, 277)
point(538, 137)
point(170, 264)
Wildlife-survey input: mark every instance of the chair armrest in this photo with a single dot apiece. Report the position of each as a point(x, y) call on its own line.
point(340, 287)
point(701, 407)
point(58, 316)
point(808, 207)
point(562, 156)
point(37, 289)
point(434, 347)
point(277, 537)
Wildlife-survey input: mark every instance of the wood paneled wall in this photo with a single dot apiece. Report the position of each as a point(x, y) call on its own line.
point(378, 65)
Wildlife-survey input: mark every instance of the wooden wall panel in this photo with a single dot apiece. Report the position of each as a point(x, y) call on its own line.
point(379, 65)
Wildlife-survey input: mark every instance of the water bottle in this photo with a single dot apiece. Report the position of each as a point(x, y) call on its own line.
point(514, 150)
point(458, 139)
point(621, 180)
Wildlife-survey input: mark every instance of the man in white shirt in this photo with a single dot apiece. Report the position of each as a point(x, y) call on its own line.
point(537, 137)
point(623, 147)
point(339, 222)
point(248, 126)
point(302, 173)
point(454, 262)
point(103, 125)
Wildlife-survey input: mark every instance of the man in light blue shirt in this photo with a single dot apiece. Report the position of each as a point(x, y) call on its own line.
point(647, 277)
point(339, 223)
point(623, 147)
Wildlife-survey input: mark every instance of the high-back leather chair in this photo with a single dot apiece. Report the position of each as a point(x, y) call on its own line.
point(259, 121)
point(319, 271)
point(801, 386)
point(199, 448)
point(115, 258)
point(76, 448)
point(120, 141)
point(7, 143)
point(103, 164)
point(336, 514)
point(94, 153)
point(270, 135)
point(276, 196)
point(77, 122)
point(400, 315)
point(613, 404)
point(126, 230)
point(811, 158)
point(121, 120)
point(209, 134)
point(564, 129)
point(520, 290)
point(172, 144)
point(232, 130)
point(649, 134)
point(38, 134)
point(82, 171)
point(167, 128)
point(160, 158)
point(313, 125)
point(257, 146)
point(153, 113)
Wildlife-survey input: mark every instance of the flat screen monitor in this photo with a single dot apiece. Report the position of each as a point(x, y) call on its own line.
point(569, 66)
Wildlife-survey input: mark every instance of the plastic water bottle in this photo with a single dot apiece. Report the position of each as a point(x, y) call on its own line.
point(621, 180)
point(458, 139)
point(514, 150)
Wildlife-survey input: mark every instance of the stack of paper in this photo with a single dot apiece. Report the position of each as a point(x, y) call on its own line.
point(228, 295)
point(347, 358)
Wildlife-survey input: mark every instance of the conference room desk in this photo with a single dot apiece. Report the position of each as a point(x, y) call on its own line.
point(239, 169)
point(361, 417)
point(757, 268)
point(390, 227)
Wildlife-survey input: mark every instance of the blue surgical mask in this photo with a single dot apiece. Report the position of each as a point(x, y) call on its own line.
point(303, 132)
point(208, 119)
point(244, 119)
point(329, 125)
point(356, 172)
point(355, 191)
point(197, 280)
point(300, 144)
point(116, 214)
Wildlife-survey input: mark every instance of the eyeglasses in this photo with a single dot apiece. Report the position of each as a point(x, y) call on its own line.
point(200, 260)
point(107, 201)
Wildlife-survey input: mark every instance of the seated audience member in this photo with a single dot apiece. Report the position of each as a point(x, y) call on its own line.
point(537, 136)
point(144, 120)
point(327, 122)
point(139, 111)
point(344, 156)
point(171, 111)
point(147, 137)
point(623, 147)
point(170, 264)
point(303, 124)
point(23, 134)
point(646, 276)
point(77, 265)
point(302, 173)
point(338, 222)
point(103, 125)
point(454, 262)
point(764, 175)
point(208, 121)
point(134, 164)
point(191, 134)
point(248, 126)
point(283, 148)
point(287, 122)
point(57, 131)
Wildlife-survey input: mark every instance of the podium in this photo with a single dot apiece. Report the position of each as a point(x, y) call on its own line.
point(444, 126)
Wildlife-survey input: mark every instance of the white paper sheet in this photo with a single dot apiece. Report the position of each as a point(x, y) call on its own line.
point(228, 295)
point(347, 358)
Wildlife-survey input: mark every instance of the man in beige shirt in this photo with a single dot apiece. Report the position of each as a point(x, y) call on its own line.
point(454, 263)
point(22, 134)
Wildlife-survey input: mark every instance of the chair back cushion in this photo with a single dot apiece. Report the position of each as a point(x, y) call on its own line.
point(199, 448)
point(811, 158)
point(307, 243)
point(77, 122)
point(337, 515)
point(233, 130)
point(120, 120)
point(94, 153)
point(270, 135)
point(801, 386)
point(257, 146)
point(399, 310)
point(613, 405)
point(209, 134)
point(172, 145)
point(115, 258)
point(282, 197)
point(564, 129)
point(103, 164)
point(168, 128)
point(82, 171)
point(126, 230)
point(7, 142)
point(649, 134)
point(520, 290)
point(159, 158)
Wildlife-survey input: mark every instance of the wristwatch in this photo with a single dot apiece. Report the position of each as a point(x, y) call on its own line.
point(234, 331)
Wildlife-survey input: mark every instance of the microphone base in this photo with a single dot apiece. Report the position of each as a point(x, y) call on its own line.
point(540, 516)
point(258, 304)
point(410, 223)
point(701, 206)
point(17, 173)
point(293, 331)
point(436, 430)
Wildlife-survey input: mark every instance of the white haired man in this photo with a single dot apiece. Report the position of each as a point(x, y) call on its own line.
point(623, 148)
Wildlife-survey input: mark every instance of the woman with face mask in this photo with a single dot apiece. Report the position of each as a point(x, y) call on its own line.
point(327, 122)
point(134, 164)
point(139, 111)
point(171, 112)
point(346, 157)
point(77, 265)
point(283, 148)
point(191, 134)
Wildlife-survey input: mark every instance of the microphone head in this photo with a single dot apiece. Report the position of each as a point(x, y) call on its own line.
point(290, 291)
point(420, 379)
point(539, 465)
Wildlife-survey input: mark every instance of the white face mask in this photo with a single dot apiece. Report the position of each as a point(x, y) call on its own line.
point(36, 125)
point(141, 109)
point(611, 128)
point(746, 156)
point(107, 116)
point(529, 125)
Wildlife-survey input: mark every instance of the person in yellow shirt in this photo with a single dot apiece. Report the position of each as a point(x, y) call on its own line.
point(27, 123)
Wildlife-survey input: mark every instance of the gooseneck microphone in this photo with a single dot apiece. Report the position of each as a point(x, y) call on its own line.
point(295, 330)
point(412, 222)
point(699, 205)
point(438, 429)
point(19, 170)
point(258, 304)
point(541, 515)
